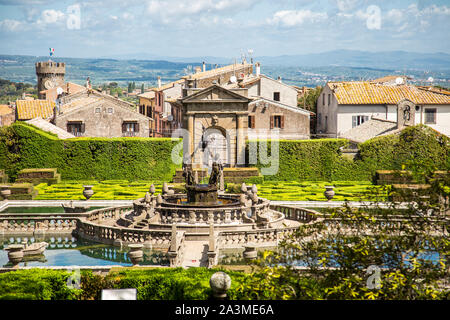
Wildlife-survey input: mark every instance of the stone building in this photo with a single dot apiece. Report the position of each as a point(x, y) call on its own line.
point(160, 103)
point(342, 106)
point(218, 121)
point(92, 114)
point(49, 75)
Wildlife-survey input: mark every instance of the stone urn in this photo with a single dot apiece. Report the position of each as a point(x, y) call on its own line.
point(5, 193)
point(136, 253)
point(329, 192)
point(15, 254)
point(88, 192)
point(250, 252)
point(220, 283)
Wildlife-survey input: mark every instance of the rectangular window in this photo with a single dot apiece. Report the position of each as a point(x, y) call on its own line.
point(329, 99)
point(110, 110)
point(130, 129)
point(76, 128)
point(430, 116)
point(149, 111)
point(276, 96)
point(323, 99)
point(319, 119)
point(97, 110)
point(251, 122)
point(277, 121)
point(357, 120)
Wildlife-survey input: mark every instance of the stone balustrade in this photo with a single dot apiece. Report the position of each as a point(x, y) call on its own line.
point(296, 214)
point(260, 237)
point(25, 225)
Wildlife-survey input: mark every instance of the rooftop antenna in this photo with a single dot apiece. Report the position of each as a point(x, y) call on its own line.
point(250, 54)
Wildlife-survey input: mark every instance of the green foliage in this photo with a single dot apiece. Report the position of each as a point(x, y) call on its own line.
point(36, 284)
point(86, 158)
point(408, 246)
point(419, 149)
point(309, 101)
point(310, 160)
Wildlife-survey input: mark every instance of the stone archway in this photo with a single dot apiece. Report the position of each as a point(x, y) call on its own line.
point(217, 147)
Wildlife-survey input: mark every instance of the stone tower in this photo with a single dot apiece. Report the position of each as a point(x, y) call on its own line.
point(49, 75)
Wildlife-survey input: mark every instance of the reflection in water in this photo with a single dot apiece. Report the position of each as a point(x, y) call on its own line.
point(69, 251)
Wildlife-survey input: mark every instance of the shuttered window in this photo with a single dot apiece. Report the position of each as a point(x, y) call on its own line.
point(251, 122)
point(277, 121)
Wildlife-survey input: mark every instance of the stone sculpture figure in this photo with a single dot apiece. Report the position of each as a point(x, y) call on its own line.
point(215, 174)
point(188, 175)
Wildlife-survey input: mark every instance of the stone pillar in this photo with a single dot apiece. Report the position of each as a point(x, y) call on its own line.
point(191, 137)
point(240, 139)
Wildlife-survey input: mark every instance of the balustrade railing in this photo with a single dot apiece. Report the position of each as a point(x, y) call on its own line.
point(296, 214)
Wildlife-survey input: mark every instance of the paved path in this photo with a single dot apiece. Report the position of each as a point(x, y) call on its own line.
point(195, 254)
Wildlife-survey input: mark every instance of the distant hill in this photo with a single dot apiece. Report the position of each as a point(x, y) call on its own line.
point(346, 58)
point(308, 69)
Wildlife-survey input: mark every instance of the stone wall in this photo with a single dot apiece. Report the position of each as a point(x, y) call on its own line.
point(105, 123)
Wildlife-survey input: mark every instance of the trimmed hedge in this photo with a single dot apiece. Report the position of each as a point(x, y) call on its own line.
point(312, 160)
point(25, 146)
point(417, 148)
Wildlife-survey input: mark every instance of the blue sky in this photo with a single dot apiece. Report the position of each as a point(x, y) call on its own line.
point(222, 28)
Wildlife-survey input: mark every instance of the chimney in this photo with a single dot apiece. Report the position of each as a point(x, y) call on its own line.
point(67, 88)
point(198, 69)
point(159, 82)
point(279, 79)
point(204, 66)
point(258, 69)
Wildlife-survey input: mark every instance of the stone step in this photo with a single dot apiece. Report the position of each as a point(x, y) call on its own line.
point(195, 254)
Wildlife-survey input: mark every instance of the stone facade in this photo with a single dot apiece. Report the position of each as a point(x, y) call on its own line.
point(97, 115)
point(219, 117)
point(293, 123)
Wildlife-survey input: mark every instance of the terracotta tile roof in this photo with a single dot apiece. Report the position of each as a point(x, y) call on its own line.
point(148, 95)
point(372, 93)
point(5, 109)
point(30, 109)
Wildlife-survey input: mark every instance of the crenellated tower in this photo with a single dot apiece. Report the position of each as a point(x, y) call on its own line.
point(49, 75)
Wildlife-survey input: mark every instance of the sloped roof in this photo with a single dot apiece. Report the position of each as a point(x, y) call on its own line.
point(372, 128)
point(364, 92)
point(68, 87)
point(49, 127)
point(5, 109)
point(30, 109)
point(148, 95)
point(218, 71)
point(231, 93)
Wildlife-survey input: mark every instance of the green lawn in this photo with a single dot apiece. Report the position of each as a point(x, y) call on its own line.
point(272, 190)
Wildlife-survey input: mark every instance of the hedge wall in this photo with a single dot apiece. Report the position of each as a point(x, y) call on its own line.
point(312, 160)
point(417, 148)
point(25, 146)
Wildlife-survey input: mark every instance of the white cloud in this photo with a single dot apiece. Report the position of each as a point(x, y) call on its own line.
point(170, 10)
point(51, 16)
point(10, 25)
point(290, 18)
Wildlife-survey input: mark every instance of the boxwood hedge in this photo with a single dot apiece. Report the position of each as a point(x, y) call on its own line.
point(25, 146)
